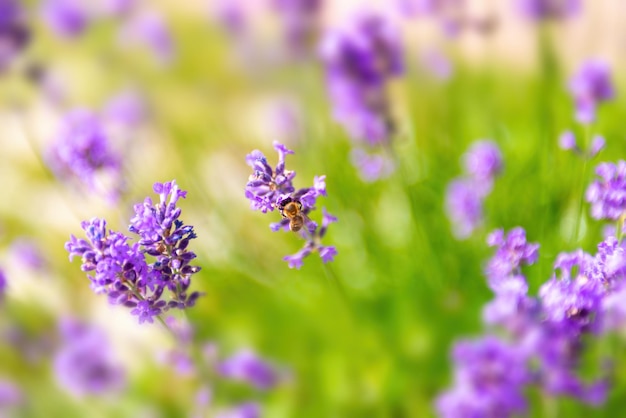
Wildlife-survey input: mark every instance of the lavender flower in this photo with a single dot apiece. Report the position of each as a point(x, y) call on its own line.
point(248, 367)
point(483, 161)
point(270, 189)
point(82, 152)
point(10, 396)
point(126, 109)
point(437, 64)
point(464, 207)
point(360, 59)
point(490, 379)
point(123, 272)
point(371, 167)
point(590, 86)
point(84, 365)
point(513, 251)
point(149, 29)
point(266, 185)
point(549, 9)
point(607, 195)
point(14, 31)
point(28, 253)
point(245, 410)
point(300, 21)
point(450, 13)
point(3, 285)
point(67, 18)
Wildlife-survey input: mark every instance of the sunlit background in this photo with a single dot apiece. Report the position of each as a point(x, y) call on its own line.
point(187, 89)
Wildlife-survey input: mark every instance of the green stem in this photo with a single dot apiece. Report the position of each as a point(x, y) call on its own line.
point(334, 282)
point(581, 202)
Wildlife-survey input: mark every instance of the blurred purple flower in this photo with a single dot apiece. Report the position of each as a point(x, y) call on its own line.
point(548, 9)
point(360, 58)
point(82, 152)
point(67, 18)
point(127, 109)
point(464, 207)
point(121, 270)
point(10, 396)
point(245, 410)
point(248, 367)
point(567, 141)
point(3, 285)
point(483, 161)
point(28, 253)
point(437, 64)
point(84, 364)
point(149, 29)
point(513, 251)
point(590, 86)
point(372, 167)
point(14, 31)
point(490, 379)
point(607, 195)
point(299, 21)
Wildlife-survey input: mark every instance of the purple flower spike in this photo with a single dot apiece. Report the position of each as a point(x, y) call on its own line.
point(299, 21)
point(464, 207)
point(549, 9)
point(123, 272)
point(567, 141)
point(67, 18)
point(490, 380)
point(248, 367)
point(590, 86)
point(513, 252)
point(607, 194)
point(82, 153)
point(360, 58)
point(483, 161)
point(84, 364)
point(149, 29)
point(14, 31)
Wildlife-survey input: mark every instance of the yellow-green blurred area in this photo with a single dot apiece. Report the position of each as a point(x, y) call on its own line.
point(378, 344)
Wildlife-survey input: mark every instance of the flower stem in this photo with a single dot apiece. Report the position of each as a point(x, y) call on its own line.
point(581, 202)
point(334, 282)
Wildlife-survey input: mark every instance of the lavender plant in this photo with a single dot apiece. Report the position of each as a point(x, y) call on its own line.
point(151, 275)
point(14, 32)
point(270, 188)
point(361, 58)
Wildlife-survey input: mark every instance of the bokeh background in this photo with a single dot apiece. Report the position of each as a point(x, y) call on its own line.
point(377, 344)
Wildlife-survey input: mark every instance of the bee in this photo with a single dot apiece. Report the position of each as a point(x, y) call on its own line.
point(292, 209)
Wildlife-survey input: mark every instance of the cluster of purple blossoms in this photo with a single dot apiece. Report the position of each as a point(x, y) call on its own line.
point(66, 18)
point(545, 334)
point(14, 31)
point(539, 10)
point(82, 152)
point(139, 275)
point(607, 195)
point(590, 86)
point(360, 59)
point(465, 195)
point(270, 188)
point(300, 23)
point(84, 364)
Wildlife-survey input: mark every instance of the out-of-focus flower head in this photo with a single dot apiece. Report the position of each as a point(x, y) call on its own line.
point(126, 109)
point(122, 271)
point(84, 364)
point(149, 29)
point(3, 285)
point(245, 410)
point(28, 253)
point(14, 31)
point(490, 379)
point(483, 161)
point(464, 206)
point(371, 167)
point(548, 9)
point(513, 251)
point(11, 396)
point(450, 13)
point(360, 58)
point(607, 194)
point(300, 21)
point(437, 64)
point(591, 85)
point(573, 302)
point(81, 152)
point(246, 366)
point(67, 18)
